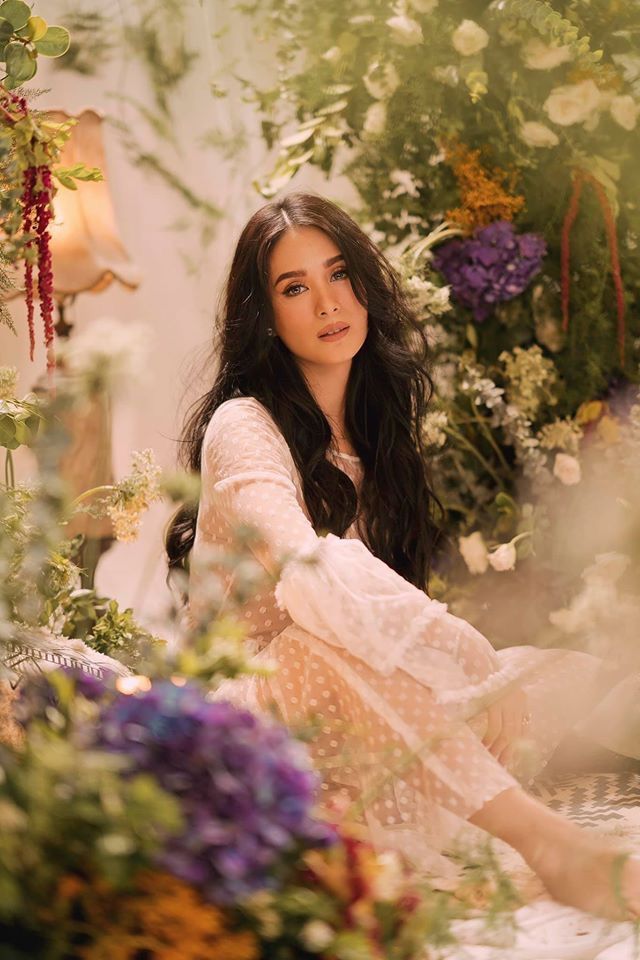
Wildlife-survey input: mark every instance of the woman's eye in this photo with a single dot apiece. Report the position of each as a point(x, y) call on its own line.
point(337, 273)
point(291, 291)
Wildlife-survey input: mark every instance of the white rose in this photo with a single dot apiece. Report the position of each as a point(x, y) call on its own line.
point(424, 6)
point(567, 469)
point(405, 31)
point(536, 55)
point(381, 80)
point(375, 119)
point(537, 134)
point(573, 103)
point(474, 552)
point(316, 935)
point(503, 557)
point(624, 111)
point(469, 38)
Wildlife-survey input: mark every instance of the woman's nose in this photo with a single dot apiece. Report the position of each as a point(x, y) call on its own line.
point(326, 305)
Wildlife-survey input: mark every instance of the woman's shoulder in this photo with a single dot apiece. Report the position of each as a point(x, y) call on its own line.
point(240, 416)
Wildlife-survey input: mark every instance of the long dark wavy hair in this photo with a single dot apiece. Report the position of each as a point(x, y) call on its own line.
point(387, 395)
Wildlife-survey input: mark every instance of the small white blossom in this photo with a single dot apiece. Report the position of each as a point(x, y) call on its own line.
point(573, 103)
point(503, 557)
point(567, 469)
point(133, 495)
point(469, 38)
point(405, 31)
point(106, 353)
point(625, 111)
point(388, 884)
point(381, 80)
point(433, 428)
point(536, 134)
point(375, 120)
point(537, 55)
point(316, 935)
point(474, 552)
point(405, 184)
point(8, 382)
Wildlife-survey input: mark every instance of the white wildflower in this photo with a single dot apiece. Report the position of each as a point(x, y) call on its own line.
point(427, 297)
point(561, 435)
point(567, 469)
point(531, 379)
point(405, 184)
point(474, 552)
point(469, 38)
point(449, 75)
point(503, 557)
point(381, 80)
point(405, 31)
point(375, 120)
point(537, 55)
point(433, 428)
point(625, 111)
point(133, 495)
point(106, 353)
point(8, 382)
point(316, 935)
point(536, 134)
point(573, 103)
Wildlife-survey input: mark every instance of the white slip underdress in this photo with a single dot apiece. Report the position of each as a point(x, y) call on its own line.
point(393, 687)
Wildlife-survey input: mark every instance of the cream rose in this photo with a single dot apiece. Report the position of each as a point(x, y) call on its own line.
point(503, 557)
point(624, 111)
point(474, 552)
point(469, 38)
point(567, 469)
point(381, 80)
point(537, 134)
point(573, 103)
point(405, 31)
point(537, 55)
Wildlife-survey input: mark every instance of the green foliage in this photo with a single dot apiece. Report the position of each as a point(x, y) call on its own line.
point(22, 38)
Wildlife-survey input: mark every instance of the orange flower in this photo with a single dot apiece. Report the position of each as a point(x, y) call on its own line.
point(483, 194)
point(163, 918)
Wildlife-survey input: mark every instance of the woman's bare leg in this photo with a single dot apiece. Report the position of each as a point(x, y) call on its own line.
point(577, 867)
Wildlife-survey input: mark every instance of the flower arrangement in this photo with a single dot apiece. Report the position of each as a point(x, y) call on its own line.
point(169, 825)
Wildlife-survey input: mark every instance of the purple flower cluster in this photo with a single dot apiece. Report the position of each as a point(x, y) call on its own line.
point(245, 786)
point(493, 265)
point(41, 691)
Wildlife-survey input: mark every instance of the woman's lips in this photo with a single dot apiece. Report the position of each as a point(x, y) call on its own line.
point(335, 332)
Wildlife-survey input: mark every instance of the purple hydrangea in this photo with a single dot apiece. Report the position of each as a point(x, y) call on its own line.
point(245, 787)
point(39, 692)
point(494, 265)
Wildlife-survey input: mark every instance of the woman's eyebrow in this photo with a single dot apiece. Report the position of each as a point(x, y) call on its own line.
point(303, 273)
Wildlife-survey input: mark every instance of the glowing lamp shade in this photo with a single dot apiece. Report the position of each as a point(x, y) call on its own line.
point(86, 249)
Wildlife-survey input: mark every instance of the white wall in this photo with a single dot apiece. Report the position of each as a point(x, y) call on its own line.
point(176, 303)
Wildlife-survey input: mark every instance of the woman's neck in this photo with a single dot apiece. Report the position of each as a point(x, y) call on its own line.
point(328, 384)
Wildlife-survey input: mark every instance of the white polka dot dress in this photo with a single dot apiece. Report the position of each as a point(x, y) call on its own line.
point(389, 687)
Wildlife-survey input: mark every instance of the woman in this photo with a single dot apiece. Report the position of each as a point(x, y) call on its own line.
point(310, 433)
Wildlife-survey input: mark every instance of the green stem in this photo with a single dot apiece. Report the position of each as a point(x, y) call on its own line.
point(487, 433)
point(9, 472)
point(90, 493)
point(476, 453)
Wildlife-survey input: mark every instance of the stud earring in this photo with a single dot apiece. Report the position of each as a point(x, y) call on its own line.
point(269, 332)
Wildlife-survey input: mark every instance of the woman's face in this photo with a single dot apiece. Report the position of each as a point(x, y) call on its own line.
point(317, 315)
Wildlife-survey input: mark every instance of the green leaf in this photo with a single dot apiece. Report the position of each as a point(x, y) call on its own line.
point(16, 12)
point(37, 28)
point(6, 32)
point(21, 65)
point(55, 42)
point(8, 432)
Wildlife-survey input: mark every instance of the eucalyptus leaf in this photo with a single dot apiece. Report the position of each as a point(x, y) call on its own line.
point(37, 27)
point(21, 65)
point(55, 42)
point(16, 12)
point(6, 32)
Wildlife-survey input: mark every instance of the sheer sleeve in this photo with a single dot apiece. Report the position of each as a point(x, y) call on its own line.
point(334, 588)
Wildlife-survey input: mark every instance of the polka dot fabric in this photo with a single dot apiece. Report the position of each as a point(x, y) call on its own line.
point(390, 687)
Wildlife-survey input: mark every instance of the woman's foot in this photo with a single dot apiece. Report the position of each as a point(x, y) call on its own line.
point(585, 871)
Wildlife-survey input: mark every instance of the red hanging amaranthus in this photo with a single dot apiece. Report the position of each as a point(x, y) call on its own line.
point(581, 177)
point(37, 213)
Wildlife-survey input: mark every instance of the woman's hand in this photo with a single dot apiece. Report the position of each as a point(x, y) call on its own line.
point(507, 721)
